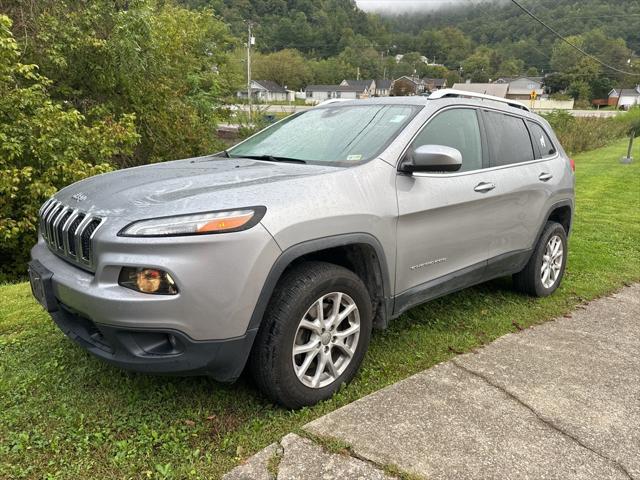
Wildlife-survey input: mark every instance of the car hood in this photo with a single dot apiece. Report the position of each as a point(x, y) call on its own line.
point(185, 186)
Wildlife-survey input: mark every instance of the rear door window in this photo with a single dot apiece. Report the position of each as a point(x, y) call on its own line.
point(508, 139)
point(541, 140)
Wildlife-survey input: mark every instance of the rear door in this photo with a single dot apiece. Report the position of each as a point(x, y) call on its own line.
point(519, 199)
point(443, 233)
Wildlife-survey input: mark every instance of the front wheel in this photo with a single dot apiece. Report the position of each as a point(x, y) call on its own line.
point(314, 335)
point(544, 271)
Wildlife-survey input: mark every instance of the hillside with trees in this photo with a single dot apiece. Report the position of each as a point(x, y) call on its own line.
point(329, 40)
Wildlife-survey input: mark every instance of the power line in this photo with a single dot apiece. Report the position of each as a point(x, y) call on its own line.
point(557, 34)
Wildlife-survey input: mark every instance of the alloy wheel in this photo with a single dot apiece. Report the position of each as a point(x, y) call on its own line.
point(551, 262)
point(326, 340)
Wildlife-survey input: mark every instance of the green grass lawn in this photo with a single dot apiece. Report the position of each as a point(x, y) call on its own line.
point(64, 414)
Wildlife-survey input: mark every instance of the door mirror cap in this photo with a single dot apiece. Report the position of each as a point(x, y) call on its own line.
point(433, 158)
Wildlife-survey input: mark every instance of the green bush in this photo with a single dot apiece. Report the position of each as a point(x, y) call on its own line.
point(579, 134)
point(43, 147)
point(167, 64)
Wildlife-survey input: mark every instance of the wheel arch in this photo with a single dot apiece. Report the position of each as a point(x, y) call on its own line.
point(562, 213)
point(361, 253)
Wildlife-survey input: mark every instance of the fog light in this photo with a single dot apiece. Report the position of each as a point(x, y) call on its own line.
point(147, 280)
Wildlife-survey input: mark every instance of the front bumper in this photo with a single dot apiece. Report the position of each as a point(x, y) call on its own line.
point(157, 351)
point(204, 329)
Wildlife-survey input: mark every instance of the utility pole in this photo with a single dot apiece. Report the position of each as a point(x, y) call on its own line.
point(250, 41)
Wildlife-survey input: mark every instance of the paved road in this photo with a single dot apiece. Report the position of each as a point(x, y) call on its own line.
point(558, 401)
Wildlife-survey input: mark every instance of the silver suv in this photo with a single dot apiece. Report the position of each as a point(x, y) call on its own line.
point(284, 252)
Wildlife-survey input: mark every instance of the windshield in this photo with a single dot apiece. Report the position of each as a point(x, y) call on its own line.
point(339, 135)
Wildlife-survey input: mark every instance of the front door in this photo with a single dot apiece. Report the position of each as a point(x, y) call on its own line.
point(444, 224)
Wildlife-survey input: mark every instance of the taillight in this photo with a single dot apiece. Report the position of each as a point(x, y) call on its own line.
point(573, 165)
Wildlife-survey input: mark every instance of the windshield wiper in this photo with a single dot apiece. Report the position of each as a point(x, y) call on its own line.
point(272, 158)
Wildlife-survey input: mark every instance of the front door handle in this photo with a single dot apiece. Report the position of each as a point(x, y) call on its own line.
point(484, 187)
point(545, 177)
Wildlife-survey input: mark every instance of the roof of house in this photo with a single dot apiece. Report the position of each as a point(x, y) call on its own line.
point(361, 85)
point(630, 91)
point(271, 86)
point(438, 82)
point(322, 88)
point(495, 89)
point(414, 80)
point(523, 91)
point(383, 84)
point(349, 88)
point(513, 79)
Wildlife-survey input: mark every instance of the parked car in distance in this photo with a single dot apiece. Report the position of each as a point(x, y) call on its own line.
point(284, 252)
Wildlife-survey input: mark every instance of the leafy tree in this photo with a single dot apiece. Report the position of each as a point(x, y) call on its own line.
point(167, 64)
point(580, 90)
point(512, 67)
point(286, 67)
point(44, 146)
point(331, 71)
point(478, 65)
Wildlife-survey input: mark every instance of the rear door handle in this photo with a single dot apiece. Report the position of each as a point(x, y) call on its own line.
point(484, 187)
point(545, 177)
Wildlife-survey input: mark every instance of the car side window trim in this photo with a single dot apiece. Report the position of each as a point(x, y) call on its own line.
point(489, 168)
point(536, 149)
point(484, 139)
point(483, 142)
point(493, 149)
point(530, 122)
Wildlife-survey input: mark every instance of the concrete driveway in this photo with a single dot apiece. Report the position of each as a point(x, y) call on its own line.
point(558, 401)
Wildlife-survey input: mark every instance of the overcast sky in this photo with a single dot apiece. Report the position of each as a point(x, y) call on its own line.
point(408, 5)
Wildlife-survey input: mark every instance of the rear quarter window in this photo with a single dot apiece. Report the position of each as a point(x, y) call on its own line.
point(541, 140)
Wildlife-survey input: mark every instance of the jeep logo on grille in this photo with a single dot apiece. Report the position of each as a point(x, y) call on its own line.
point(79, 197)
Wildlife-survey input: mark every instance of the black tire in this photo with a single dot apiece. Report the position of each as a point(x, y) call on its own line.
point(529, 280)
point(271, 361)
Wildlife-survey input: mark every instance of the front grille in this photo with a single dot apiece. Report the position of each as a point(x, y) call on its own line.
point(69, 232)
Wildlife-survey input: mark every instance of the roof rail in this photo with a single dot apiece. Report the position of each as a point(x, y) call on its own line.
point(450, 92)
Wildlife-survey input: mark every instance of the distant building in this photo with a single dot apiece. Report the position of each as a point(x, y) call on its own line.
point(320, 93)
point(267, 91)
point(495, 89)
point(348, 89)
point(625, 97)
point(364, 88)
point(383, 87)
point(407, 86)
point(520, 88)
point(433, 84)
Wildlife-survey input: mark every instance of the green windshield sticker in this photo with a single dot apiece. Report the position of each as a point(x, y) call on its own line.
point(354, 157)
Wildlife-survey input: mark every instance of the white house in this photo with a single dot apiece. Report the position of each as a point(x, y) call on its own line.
point(267, 91)
point(627, 97)
point(521, 88)
point(363, 88)
point(348, 89)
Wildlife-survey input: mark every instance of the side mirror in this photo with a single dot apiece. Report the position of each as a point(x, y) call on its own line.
point(432, 158)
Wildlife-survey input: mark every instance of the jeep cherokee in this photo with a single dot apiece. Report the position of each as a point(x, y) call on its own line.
point(284, 252)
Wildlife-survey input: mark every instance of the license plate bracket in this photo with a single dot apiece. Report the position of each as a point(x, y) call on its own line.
point(42, 286)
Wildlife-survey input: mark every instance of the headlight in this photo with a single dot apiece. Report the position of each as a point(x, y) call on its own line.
point(222, 221)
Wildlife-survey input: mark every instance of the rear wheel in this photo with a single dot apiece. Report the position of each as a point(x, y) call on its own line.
point(544, 271)
point(314, 335)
